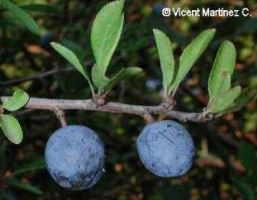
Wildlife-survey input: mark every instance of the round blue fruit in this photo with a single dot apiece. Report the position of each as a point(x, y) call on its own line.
point(74, 157)
point(166, 148)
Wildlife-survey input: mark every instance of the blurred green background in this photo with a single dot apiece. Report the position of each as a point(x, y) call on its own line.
point(226, 163)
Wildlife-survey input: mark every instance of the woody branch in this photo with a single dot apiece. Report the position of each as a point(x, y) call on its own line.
point(112, 107)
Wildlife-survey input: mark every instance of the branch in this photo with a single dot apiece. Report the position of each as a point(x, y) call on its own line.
point(113, 107)
point(34, 77)
point(39, 75)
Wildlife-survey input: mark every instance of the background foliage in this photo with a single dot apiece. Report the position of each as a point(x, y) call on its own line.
point(225, 166)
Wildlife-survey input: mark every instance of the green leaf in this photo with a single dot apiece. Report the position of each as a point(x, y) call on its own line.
point(99, 80)
point(43, 8)
point(248, 95)
point(190, 55)
point(72, 59)
point(166, 58)
point(225, 100)
point(76, 48)
point(22, 17)
point(105, 35)
point(122, 75)
point(222, 69)
point(35, 165)
point(11, 128)
point(28, 187)
point(17, 101)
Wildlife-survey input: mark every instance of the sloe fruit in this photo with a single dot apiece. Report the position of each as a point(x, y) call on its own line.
point(166, 148)
point(75, 157)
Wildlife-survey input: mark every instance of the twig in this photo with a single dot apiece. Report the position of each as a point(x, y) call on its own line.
point(34, 77)
point(39, 76)
point(113, 107)
point(61, 116)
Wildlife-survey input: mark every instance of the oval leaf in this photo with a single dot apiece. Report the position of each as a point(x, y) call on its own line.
point(32, 166)
point(222, 69)
point(17, 101)
point(191, 53)
point(99, 80)
point(166, 58)
point(247, 95)
point(43, 8)
point(22, 17)
point(105, 35)
point(72, 59)
point(11, 128)
point(224, 101)
point(25, 186)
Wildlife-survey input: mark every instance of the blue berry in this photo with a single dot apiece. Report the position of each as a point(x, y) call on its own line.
point(166, 148)
point(75, 157)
